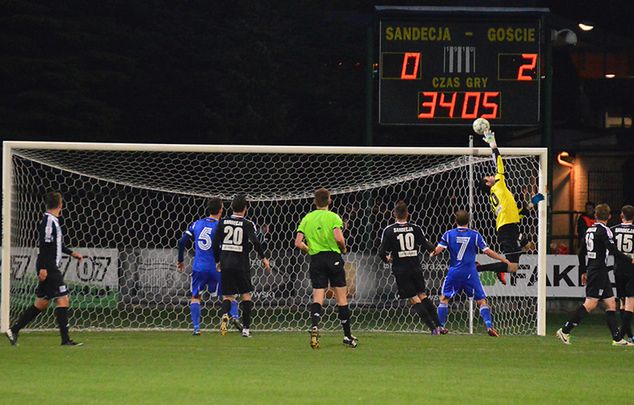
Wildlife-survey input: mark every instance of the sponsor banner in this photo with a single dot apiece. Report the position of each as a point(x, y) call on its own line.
point(157, 275)
point(562, 277)
point(99, 267)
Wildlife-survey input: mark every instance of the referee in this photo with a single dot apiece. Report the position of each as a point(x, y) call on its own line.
point(320, 235)
point(51, 281)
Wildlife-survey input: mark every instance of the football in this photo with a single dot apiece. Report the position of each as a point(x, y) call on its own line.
point(481, 125)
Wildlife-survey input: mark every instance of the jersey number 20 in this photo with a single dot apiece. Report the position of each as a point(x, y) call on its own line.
point(233, 236)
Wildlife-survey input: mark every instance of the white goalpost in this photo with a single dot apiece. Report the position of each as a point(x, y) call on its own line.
point(126, 206)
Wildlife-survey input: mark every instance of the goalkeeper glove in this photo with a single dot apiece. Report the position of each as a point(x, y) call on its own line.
point(489, 137)
point(535, 200)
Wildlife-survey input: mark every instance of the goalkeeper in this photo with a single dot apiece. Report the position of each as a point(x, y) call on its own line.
point(507, 214)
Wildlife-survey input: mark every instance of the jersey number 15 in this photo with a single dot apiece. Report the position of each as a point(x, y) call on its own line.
point(624, 243)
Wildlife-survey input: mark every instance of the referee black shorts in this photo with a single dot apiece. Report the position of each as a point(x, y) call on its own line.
point(53, 286)
point(508, 238)
point(325, 268)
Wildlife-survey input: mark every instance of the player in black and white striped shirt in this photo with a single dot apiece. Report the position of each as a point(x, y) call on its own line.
point(51, 280)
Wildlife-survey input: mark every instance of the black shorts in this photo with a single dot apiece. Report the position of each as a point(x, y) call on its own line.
point(410, 282)
point(508, 238)
point(598, 284)
point(327, 267)
point(236, 281)
point(624, 285)
point(52, 287)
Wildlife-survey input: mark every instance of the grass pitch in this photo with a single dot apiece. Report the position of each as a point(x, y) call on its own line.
point(273, 368)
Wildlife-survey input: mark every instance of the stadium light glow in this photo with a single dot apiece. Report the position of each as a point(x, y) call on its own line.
point(565, 159)
point(586, 26)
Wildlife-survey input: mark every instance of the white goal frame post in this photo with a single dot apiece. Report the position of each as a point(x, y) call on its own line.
point(7, 188)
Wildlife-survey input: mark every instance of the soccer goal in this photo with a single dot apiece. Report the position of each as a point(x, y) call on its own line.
point(126, 205)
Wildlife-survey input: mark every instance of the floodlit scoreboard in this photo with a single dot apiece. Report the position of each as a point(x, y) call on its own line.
point(449, 68)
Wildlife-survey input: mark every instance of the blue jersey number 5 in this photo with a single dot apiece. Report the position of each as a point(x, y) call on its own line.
point(204, 239)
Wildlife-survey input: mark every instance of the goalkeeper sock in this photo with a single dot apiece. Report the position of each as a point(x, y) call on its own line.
point(246, 306)
point(234, 310)
point(194, 309)
point(62, 321)
point(431, 310)
point(344, 318)
point(315, 314)
point(424, 315)
point(443, 312)
point(610, 317)
point(485, 313)
point(27, 316)
point(575, 319)
point(225, 308)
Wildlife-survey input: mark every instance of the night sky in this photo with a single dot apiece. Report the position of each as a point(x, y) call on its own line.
point(256, 72)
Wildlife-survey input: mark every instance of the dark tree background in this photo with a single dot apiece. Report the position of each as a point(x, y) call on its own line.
point(174, 71)
point(201, 71)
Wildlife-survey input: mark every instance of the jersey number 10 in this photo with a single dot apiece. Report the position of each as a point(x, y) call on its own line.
point(406, 240)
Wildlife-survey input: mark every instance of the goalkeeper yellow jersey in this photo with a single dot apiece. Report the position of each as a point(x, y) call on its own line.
point(502, 201)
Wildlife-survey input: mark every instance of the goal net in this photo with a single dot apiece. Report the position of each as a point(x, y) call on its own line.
point(126, 206)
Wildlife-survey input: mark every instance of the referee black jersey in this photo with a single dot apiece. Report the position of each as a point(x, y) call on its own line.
point(233, 241)
point(403, 240)
point(598, 244)
point(51, 243)
point(624, 238)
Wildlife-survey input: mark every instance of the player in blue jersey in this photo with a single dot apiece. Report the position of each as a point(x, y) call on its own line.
point(204, 272)
point(463, 244)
